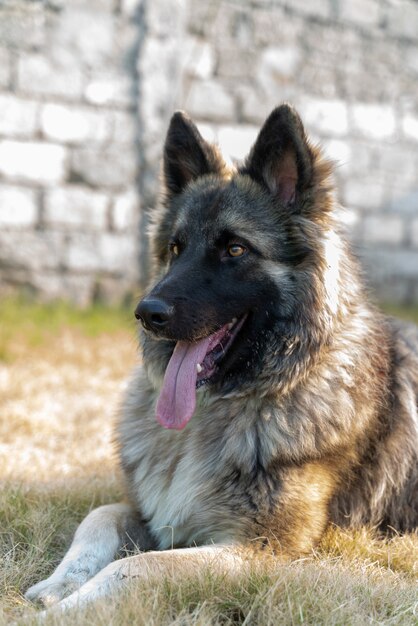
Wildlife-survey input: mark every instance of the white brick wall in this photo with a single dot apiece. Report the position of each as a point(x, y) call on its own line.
point(18, 207)
point(235, 142)
point(36, 162)
point(76, 207)
point(125, 212)
point(376, 121)
point(410, 126)
point(325, 116)
point(109, 89)
point(361, 12)
point(41, 75)
point(68, 124)
point(102, 252)
point(4, 67)
point(82, 119)
point(414, 233)
point(18, 117)
point(383, 229)
point(209, 99)
point(105, 167)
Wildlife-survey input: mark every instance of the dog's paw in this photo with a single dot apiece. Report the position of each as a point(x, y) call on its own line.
point(50, 591)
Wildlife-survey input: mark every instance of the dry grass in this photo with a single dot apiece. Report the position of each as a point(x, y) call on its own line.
point(61, 374)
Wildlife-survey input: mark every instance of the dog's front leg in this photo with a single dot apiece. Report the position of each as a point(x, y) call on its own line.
point(156, 566)
point(97, 540)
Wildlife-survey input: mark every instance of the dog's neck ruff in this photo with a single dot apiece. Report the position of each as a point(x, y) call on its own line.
point(191, 365)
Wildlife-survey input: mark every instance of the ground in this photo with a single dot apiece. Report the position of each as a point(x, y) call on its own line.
point(62, 374)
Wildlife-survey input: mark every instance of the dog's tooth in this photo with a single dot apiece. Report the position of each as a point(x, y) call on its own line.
point(234, 320)
point(199, 368)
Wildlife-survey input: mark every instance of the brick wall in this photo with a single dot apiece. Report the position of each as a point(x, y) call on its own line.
point(87, 87)
point(69, 207)
point(351, 69)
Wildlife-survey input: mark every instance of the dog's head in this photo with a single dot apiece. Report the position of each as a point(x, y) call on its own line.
point(234, 252)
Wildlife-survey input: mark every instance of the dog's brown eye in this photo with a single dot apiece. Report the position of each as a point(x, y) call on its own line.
point(236, 250)
point(174, 249)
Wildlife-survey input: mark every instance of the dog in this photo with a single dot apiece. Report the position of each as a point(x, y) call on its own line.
point(273, 399)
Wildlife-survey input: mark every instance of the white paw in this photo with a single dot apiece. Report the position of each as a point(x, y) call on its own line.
point(52, 590)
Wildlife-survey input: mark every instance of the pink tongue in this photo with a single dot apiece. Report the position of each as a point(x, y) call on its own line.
point(177, 400)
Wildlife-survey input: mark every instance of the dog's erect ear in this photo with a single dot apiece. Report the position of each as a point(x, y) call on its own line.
point(281, 158)
point(187, 155)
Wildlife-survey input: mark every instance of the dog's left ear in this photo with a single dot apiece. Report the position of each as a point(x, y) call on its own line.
point(187, 155)
point(281, 158)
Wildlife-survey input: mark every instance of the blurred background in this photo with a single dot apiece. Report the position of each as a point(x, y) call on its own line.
point(87, 88)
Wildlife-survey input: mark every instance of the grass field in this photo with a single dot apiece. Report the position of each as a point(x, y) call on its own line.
point(62, 373)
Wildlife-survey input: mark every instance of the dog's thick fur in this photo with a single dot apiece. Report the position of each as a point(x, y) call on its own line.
point(310, 418)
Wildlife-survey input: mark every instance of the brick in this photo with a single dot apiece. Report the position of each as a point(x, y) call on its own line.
point(89, 34)
point(315, 8)
point(18, 207)
point(165, 18)
point(388, 263)
point(33, 250)
point(319, 80)
point(55, 285)
point(200, 58)
point(125, 214)
point(363, 13)
point(374, 120)
point(383, 229)
point(396, 157)
point(210, 100)
point(110, 252)
point(236, 141)
point(5, 68)
point(76, 207)
point(339, 151)
point(125, 127)
point(83, 252)
point(209, 132)
point(404, 202)
point(66, 123)
point(363, 158)
point(278, 63)
point(32, 162)
point(410, 126)
point(118, 251)
point(272, 24)
point(116, 89)
point(414, 233)
point(110, 167)
point(402, 19)
point(325, 116)
point(42, 76)
point(363, 193)
point(253, 104)
point(22, 25)
point(411, 58)
point(18, 117)
point(233, 63)
point(130, 7)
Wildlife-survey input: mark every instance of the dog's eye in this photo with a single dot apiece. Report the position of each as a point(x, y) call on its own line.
point(235, 250)
point(174, 248)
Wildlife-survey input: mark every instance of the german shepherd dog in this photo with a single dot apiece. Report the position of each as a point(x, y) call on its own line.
point(273, 399)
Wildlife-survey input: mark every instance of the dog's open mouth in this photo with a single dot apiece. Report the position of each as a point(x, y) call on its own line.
point(191, 366)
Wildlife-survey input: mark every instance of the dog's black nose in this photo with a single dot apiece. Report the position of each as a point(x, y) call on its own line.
point(153, 313)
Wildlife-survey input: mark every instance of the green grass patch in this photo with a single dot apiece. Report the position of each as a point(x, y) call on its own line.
point(24, 321)
point(407, 312)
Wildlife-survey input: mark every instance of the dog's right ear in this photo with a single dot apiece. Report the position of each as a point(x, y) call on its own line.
point(187, 155)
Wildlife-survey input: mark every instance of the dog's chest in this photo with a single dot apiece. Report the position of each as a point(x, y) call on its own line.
point(174, 485)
